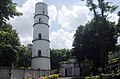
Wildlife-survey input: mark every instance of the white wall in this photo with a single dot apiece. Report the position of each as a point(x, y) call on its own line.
point(20, 73)
point(43, 29)
point(40, 7)
point(43, 46)
point(44, 19)
point(42, 63)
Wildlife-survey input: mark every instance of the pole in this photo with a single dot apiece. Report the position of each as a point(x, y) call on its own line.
point(10, 73)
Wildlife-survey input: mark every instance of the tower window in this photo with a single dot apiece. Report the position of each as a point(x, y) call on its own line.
point(39, 53)
point(40, 20)
point(39, 36)
point(43, 12)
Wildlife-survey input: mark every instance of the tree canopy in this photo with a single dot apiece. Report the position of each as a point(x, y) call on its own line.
point(24, 57)
point(89, 41)
point(7, 10)
point(59, 55)
point(9, 43)
point(11, 51)
point(99, 36)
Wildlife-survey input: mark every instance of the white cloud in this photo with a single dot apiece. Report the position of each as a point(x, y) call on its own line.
point(70, 19)
point(52, 12)
point(61, 39)
point(113, 17)
point(26, 40)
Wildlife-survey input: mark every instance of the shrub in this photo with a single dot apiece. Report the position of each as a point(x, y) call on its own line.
point(92, 77)
point(54, 76)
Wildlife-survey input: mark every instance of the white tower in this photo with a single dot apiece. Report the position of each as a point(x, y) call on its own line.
point(40, 50)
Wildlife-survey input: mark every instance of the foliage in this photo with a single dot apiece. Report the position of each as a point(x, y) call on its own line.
point(9, 43)
point(104, 76)
point(104, 6)
point(54, 76)
point(59, 55)
point(114, 56)
point(92, 77)
point(94, 40)
point(118, 25)
point(24, 57)
point(89, 41)
point(7, 10)
point(11, 52)
point(29, 46)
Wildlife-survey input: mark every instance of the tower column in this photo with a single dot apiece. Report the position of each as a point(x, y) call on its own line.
point(40, 49)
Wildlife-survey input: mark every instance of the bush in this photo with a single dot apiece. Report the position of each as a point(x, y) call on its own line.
point(92, 77)
point(54, 76)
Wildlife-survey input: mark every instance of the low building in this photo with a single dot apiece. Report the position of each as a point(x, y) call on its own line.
point(70, 68)
point(73, 68)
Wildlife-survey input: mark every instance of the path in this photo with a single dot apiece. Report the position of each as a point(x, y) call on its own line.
point(72, 77)
point(65, 78)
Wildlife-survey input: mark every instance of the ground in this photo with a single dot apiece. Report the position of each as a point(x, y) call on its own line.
point(65, 78)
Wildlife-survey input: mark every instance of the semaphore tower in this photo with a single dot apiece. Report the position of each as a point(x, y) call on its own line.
point(40, 49)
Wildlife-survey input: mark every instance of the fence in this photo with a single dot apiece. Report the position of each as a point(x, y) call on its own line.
point(21, 73)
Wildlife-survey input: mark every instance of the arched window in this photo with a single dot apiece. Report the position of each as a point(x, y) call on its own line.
point(43, 12)
point(39, 36)
point(39, 53)
point(40, 20)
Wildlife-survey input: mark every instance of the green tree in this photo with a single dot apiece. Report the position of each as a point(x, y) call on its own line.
point(9, 40)
point(91, 42)
point(24, 57)
point(94, 40)
point(104, 7)
point(118, 25)
point(7, 10)
point(9, 43)
point(59, 55)
point(29, 46)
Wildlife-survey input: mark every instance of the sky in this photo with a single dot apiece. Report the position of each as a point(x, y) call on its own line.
point(64, 17)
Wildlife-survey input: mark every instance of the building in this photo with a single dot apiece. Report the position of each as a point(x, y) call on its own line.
point(74, 68)
point(40, 49)
point(70, 68)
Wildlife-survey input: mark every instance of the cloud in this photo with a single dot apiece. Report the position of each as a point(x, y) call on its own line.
point(113, 18)
point(52, 12)
point(24, 24)
point(61, 39)
point(70, 19)
point(26, 40)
